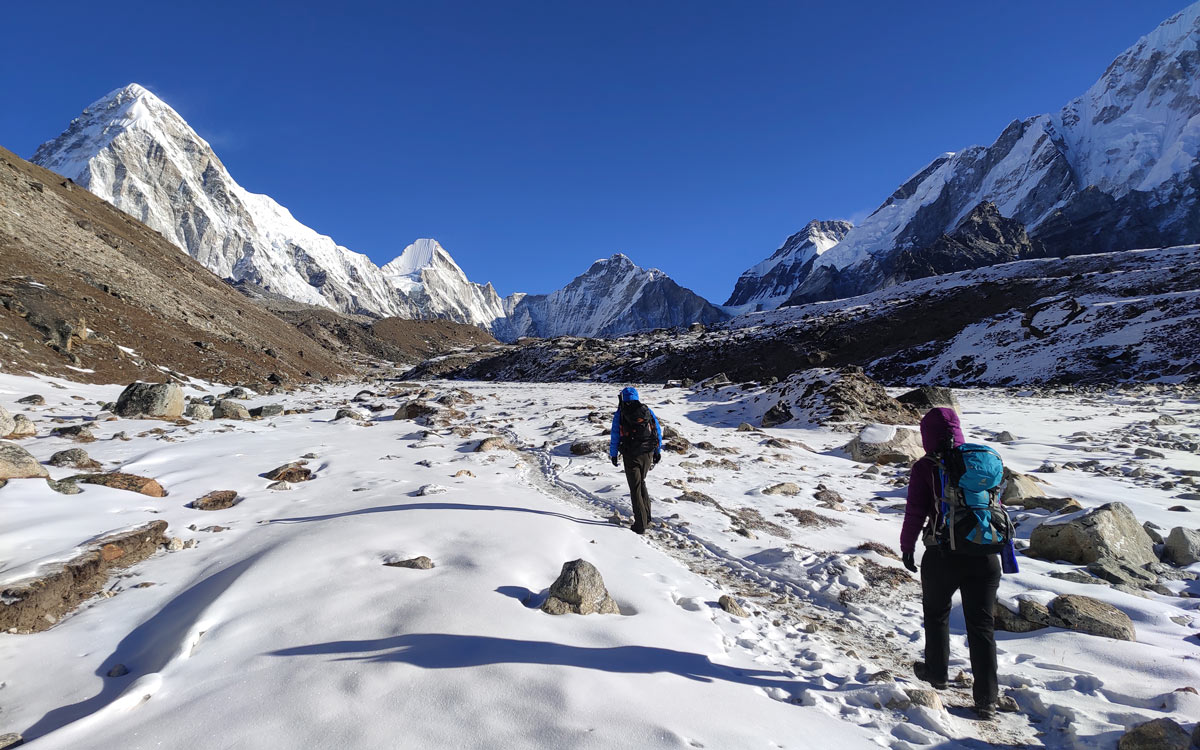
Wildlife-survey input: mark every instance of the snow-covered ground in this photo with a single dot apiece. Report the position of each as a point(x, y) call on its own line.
point(286, 629)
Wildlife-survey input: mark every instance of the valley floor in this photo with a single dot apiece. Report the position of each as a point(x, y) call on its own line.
point(286, 629)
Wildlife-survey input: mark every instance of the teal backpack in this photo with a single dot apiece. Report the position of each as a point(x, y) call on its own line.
point(970, 518)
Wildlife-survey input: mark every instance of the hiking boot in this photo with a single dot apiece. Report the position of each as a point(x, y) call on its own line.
point(638, 529)
point(923, 675)
point(986, 711)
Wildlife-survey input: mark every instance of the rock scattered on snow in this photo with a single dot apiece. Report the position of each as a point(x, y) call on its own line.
point(783, 488)
point(1158, 734)
point(18, 463)
point(22, 427)
point(1020, 486)
point(120, 670)
point(730, 605)
point(293, 471)
point(7, 422)
point(1070, 611)
point(493, 443)
point(12, 739)
point(1182, 546)
point(431, 489)
point(588, 447)
point(579, 589)
point(266, 410)
point(349, 414)
point(417, 563)
point(118, 480)
point(216, 500)
point(929, 397)
point(229, 409)
point(150, 400)
point(885, 444)
point(1108, 531)
point(198, 410)
point(80, 433)
point(32, 399)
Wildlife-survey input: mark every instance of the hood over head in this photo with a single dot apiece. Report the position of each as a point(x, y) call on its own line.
point(937, 425)
point(629, 394)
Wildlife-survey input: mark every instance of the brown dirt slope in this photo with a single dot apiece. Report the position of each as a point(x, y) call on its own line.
point(79, 279)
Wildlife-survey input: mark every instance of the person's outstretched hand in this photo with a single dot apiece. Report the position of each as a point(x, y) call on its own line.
point(614, 460)
point(657, 457)
point(910, 562)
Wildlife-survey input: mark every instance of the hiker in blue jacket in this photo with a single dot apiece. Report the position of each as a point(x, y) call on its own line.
point(637, 436)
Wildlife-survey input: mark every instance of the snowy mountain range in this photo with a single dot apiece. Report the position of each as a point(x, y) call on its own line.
point(766, 285)
point(613, 296)
point(1115, 169)
point(134, 151)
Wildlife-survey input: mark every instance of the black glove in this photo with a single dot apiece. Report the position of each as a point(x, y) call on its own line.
point(614, 460)
point(657, 457)
point(909, 562)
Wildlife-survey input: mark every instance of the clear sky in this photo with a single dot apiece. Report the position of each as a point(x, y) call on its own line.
point(531, 138)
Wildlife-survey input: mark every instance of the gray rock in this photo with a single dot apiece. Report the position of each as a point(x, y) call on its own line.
point(885, 444)
point(1019, 486)
point(216, 500)
point(80, 433)
point(417, 563)
point(229, 409)
point(1152, 532)
point(930, 397)
point(119, 670)
point(1182, 546)
point(7, 422)
point(12, 739)
point(267, 410)
point(588, 447)
point(493, 443)
point(1147, 453)
point(17, 463)
point(154, 400)
point(1038, 614)
point(22, 427)
point(580, 589)
point(1006, 437)
point(780, 413)
point(32, 400)
point(198, 411)
point(431, 489)
point(1159, 734)
point(68, 486)
point(730, 605)
point(925, 697)
point(1108, 531)
point(1092, 616)
point(349, 414)
point(1117, 572)
point(76, 458)
point(783, 488)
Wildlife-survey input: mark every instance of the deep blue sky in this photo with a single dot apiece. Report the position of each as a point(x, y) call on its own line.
point(531, 138)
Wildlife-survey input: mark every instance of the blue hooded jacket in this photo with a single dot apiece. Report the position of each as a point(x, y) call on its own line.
point(614, 442)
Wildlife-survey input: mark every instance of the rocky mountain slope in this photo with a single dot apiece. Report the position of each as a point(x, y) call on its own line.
point(90, 293)
point(768, 284)
point(1115, 169)
point(613, 296)
point(133, 150)
point(1110, 317)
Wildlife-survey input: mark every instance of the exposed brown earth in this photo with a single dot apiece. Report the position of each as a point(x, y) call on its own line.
point(35, 604)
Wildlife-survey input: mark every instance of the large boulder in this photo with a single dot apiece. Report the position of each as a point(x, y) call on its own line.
point(22, 427)
point(1108, 531)
point(17, 463)
point(76, 458)
point(885, 444)
point(1092, 616)
point(7, 423)
point(198, 410)
point(1020, 486)
point(129, 482)
point(580, 589)
point(154, 400)
point(929, 397)
point(1182, 546)
point(230, 409)
point(1158, 734)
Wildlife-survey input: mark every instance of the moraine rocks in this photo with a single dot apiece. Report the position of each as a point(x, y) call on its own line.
point(18, 463)
point(579, 589)
point(150, 400)
point(1108, 531)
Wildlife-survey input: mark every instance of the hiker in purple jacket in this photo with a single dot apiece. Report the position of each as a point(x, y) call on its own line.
point(976, 578)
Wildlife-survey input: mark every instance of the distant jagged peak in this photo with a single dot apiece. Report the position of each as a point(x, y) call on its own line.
point(421, 254)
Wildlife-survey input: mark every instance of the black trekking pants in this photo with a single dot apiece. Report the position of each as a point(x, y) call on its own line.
point(636, 468)
point(976, 578)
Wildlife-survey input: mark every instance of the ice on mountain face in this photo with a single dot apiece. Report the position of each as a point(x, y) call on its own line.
point(613, 296)
point(426, 272)
point(1118, 168)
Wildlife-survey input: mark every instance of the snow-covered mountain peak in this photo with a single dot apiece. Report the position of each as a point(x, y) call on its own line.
point(765, 285)
point(421, 254)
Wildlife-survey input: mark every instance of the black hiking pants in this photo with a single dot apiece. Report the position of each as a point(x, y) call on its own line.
point(636, 468)
point(976, 578)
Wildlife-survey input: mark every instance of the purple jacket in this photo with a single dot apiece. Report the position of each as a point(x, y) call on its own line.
point(923, 489)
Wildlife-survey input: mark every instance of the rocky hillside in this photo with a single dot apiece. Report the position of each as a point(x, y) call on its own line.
point(1116, 169)
point(89, 293)
point(1111, 317)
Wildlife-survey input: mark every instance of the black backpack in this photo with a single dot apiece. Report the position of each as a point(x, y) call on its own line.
point(638, 433)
